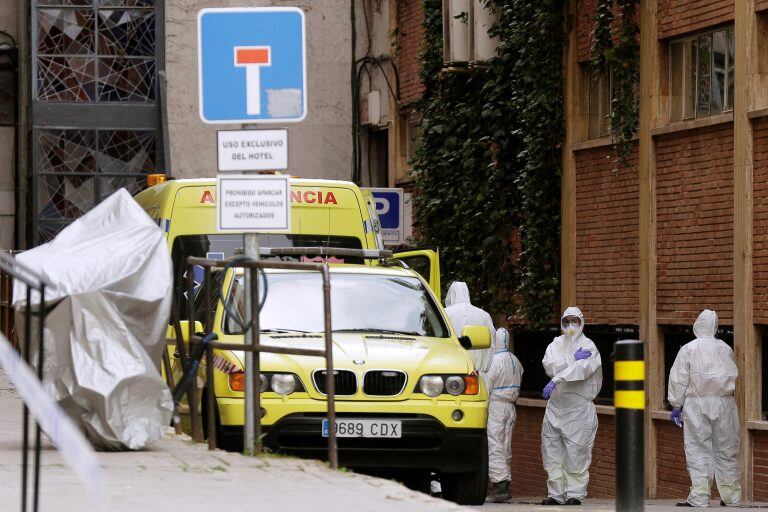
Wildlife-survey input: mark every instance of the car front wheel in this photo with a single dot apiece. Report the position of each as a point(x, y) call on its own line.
point(468, 488)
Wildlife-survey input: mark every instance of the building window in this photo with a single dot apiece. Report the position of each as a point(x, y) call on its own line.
point(701, 75)
point(530, 346)
point(101, 53)
point(599, 106)
point(77, 168)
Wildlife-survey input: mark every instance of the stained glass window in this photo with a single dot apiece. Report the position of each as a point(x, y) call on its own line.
point(91, 56)
point(104, 53)
point(77, 168)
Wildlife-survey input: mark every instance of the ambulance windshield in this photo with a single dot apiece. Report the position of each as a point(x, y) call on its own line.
point(368, 303)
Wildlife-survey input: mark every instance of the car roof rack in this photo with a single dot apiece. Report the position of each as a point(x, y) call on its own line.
point(366, 254)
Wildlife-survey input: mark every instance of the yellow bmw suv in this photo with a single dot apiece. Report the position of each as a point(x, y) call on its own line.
point(408, 399)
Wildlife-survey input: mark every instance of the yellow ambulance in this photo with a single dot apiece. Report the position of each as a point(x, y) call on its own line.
point(324, 213)
point(409, 400)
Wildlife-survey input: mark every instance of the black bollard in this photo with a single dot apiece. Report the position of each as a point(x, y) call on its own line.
point(629, 399)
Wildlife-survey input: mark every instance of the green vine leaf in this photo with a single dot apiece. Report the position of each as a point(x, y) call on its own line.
point(487, 166)
point(622, 60)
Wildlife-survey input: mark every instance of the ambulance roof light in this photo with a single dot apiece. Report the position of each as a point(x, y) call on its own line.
point(156, 179)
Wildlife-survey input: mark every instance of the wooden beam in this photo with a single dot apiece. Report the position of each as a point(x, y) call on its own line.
point(746, 347)
point(568, 182)
point(650, 112)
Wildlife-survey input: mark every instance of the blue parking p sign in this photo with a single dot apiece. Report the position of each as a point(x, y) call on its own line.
point(252, 65)
point(389, 207)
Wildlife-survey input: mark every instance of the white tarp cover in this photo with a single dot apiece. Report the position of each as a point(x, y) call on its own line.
point(112, 277)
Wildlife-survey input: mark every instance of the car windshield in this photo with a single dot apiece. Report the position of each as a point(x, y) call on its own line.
point(374, 303)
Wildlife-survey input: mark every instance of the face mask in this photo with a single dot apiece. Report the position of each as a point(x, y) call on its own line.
point(571, 329)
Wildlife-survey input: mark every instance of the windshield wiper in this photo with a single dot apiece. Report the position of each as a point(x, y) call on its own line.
point(278, 330)
point(380, 331)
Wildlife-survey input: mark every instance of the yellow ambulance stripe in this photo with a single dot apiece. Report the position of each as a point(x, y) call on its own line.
point(629, 370)
point(630, 399)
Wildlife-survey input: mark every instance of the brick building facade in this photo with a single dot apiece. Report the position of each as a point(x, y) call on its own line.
point(646, 248)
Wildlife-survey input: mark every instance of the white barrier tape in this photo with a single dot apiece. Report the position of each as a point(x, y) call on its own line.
point(70, 442)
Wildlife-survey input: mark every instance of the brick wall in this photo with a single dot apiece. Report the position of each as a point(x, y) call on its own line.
point(528, 475)
point(585, 24)
point(760, 465)
point(677, 17)
point(694, 174)
point(410, 39)
point(760, 224)
point(672, 480)
point(607, 237)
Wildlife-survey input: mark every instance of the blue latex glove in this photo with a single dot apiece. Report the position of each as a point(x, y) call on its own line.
point(548, 389)
point(582, 354)
point(677, 416)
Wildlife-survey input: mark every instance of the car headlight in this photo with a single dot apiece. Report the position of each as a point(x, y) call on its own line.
point(283, 383)
point(431, 385)
point(454, 385)
point(264, 383)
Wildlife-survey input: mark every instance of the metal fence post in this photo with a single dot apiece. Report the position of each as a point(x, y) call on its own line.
point(194, 417)
point(629, 399)
point(40, 363)
point(333, 456)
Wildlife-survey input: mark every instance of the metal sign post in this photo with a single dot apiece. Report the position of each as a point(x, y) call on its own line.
point(252, 366)
point(253, 203)
point(252, 70)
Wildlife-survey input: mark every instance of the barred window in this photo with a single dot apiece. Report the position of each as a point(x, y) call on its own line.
point(100, 51)
point(701, 75)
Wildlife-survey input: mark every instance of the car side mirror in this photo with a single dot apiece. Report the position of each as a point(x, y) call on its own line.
point(476, 336)
point(171, 331)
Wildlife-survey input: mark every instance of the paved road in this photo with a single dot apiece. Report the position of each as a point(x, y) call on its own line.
point(531, 504)
point(176, 474)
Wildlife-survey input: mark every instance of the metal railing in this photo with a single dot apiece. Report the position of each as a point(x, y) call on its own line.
point(12, 269)
point(255, 265)
point(6, 308)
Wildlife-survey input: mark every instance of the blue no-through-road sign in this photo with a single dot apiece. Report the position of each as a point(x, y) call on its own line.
point(252, 65)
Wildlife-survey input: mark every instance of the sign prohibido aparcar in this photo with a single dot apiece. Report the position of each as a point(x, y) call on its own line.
point(253, 150)
point(256, 204)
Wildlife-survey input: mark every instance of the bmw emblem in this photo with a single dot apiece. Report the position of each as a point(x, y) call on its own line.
point(358, 361)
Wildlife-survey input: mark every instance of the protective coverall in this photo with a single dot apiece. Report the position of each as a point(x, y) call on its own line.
point(503, 383)
point(570, 420)
point(461, 313)
point(701, 382)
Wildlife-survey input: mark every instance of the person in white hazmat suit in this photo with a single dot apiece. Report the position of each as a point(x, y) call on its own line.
point(701, 385)
point(503, 382)
point(461, 313)
point(573, 363)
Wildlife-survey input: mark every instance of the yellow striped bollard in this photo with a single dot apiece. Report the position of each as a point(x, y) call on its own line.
point(629, 399)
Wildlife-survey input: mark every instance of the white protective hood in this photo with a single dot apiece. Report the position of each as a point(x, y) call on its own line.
point(105, 334)
point(462, 313)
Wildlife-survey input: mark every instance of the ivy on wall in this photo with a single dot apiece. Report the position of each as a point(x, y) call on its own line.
point(619, 55)
point(488, 162)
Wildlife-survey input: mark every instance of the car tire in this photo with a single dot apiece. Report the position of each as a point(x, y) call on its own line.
point(417, 481)
point(468, 488)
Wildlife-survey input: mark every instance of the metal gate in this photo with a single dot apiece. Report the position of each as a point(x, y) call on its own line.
point(96, 109)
